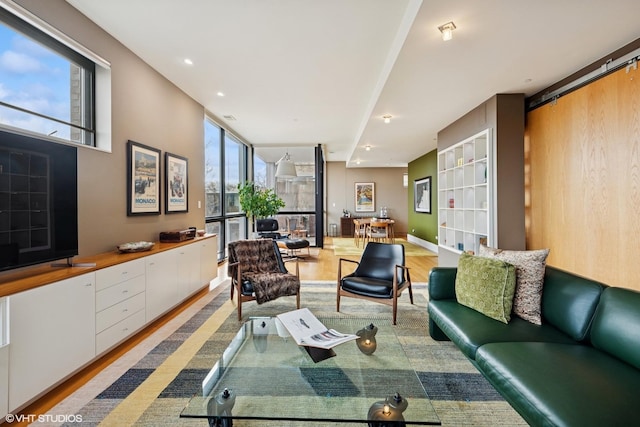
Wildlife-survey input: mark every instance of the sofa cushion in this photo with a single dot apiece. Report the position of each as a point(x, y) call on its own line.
point(616, 323)
point(562, 385)
point(569, 302)
point(530, 267)
point(469, 329)
point(486, 285)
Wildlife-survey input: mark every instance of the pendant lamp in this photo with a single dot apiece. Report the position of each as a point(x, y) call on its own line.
point(286, 168)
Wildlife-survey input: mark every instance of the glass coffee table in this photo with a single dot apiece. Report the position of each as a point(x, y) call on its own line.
point(265, 375)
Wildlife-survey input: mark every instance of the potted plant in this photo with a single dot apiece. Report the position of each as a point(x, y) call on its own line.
point(258, 202)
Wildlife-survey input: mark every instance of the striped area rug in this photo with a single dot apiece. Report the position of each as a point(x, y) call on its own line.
point(150, 385)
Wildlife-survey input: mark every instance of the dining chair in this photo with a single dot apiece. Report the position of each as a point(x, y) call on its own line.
point(359, 232)
point(378, 231)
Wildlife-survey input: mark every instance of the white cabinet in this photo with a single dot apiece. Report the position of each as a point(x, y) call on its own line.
point(120, 303)
point(162, 283)
point(208, 260)
point(466, 212)
point(188, 270)
point(52, 334)
point(57, 328)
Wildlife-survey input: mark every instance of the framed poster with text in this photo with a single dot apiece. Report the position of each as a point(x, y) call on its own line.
point(176, 190)
point(143, 179)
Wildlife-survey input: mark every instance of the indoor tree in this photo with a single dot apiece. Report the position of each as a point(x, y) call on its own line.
point(258, 202)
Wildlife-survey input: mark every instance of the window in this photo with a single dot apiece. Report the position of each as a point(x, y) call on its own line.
point(212, 169)
point(46, 86)
point(260, 172)
point(235, 160)
point(225, 168)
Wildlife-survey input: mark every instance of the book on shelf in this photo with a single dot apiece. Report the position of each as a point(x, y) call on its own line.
point(308, 331)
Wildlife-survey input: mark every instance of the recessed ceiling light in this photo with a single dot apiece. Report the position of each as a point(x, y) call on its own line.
point(367, 147)
point(387, 118)
point(188, 61)
point(220, 94)
point(447, 30)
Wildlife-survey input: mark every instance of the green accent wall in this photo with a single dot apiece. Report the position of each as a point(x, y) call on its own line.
point(422, 225)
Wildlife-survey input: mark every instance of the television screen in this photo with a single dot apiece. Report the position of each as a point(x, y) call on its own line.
point(38, 201)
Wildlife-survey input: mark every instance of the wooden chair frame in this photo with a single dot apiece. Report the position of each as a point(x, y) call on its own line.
point(397, 290)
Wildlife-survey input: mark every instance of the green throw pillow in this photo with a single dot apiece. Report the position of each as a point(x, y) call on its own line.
point(486, 285)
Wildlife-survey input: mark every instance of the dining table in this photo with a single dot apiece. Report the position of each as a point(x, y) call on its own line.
point(376, 229)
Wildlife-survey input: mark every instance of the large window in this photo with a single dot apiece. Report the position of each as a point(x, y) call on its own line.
point(225, 168)
point(212, 169)
point(45, 86)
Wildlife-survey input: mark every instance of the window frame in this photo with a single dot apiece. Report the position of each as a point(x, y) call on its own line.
point(95, 116)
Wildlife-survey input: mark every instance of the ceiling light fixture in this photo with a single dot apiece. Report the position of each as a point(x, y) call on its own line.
point(188, 61)
point(285, 167)
point(387, 118)
point(447, 30)
point(220, 94)
point(367, 147)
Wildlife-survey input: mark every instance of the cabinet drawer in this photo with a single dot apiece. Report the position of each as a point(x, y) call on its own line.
point(107, 277)
point(118, 293)
point(118, 332)
point(116, 313)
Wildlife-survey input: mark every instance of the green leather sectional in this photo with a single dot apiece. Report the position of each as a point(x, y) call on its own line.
point(581, 367)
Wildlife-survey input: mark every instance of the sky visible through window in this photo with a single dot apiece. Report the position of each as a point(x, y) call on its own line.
point(35, 78)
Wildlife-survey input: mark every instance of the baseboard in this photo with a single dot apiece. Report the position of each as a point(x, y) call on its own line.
point(423, 243)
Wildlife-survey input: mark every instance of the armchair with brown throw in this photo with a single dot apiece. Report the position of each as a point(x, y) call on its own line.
point(258, 273)
point(380, 276)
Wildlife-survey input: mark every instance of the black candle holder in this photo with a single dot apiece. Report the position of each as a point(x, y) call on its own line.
point(366, 340)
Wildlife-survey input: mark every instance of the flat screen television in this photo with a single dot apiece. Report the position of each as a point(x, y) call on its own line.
point(38, 201)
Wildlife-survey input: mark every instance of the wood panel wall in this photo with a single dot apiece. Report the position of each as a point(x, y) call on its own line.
point(582, 163)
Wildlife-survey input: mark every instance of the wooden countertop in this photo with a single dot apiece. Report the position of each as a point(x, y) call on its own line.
point(33, 277)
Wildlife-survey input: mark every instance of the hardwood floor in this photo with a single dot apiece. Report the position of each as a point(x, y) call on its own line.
point(321, 265)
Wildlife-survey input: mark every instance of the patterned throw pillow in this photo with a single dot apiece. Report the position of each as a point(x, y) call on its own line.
point(486, 285)
point(530, 267)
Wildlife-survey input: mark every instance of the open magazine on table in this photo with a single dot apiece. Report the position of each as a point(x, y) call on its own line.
point(307, 330)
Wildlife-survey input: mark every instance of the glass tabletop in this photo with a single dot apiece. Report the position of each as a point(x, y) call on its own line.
point(264, 374)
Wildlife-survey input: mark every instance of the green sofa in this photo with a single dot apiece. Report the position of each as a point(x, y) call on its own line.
point(581, 367)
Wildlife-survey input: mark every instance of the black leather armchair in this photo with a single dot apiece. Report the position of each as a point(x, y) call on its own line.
point(268, 229)
point(380, 276)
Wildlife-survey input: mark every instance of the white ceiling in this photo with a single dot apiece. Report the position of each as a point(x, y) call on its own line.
point(299, 73)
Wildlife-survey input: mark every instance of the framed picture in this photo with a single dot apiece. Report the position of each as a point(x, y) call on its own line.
point(143, 179)
point(365, 197)
point(176, 189)
point(422, 195)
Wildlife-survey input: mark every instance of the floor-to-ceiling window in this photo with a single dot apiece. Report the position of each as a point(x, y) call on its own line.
point(225, 168)
point(299, 215)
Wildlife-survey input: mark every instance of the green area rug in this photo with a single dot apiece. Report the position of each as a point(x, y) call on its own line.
point(345, 246)
point(162, 375)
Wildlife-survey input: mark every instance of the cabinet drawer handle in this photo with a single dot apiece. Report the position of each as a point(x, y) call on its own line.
point(125, 310)
point(88, 285)
point(125, 329)
point(126, 291)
